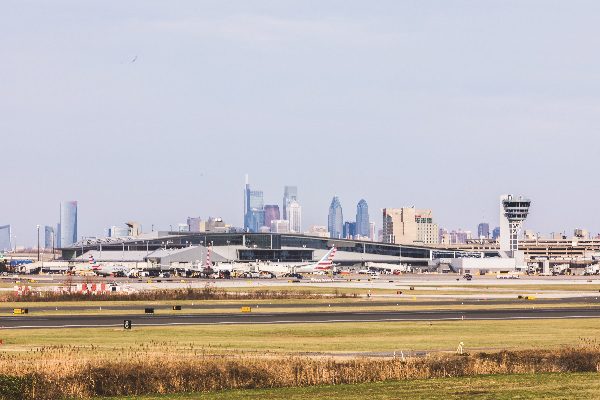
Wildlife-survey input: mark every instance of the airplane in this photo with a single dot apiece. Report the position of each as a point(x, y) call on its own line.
point(324, 264)
point(321, 266)
point(101, 270)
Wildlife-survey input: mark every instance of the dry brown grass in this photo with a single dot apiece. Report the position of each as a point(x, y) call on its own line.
point(206, 293)
point(74, 372)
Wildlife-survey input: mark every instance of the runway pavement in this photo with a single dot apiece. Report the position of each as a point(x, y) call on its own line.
point(138, 319)
point(200, 305)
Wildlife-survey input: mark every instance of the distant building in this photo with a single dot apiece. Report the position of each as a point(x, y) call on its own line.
point(5, 238)
point(49, 239)
point(528, 234)
point(408, 226)
point(362, 219)
point(483, 230)
point(271, 213)
point(581, 233)
point(280, 226)
point(254, 213)
point(216, 225)
point(195, 224)
point(335, 219)
point(290, 193)
point(118, 231)
point(372, 231)
point(294, 216)
point(183, 227)
point(496, 233)
point(68, 223)
point(318, 230)
point(349, 230)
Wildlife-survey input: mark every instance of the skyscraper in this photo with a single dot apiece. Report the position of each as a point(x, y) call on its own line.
point(254, 213)
point(294, 216)
point(362, 219)
point(496, 233)
point(483, 230)
point(5, 239)
point(271, 213)
point(290, 193)
point(335, 219)
point(68, 223)
point(49, 239)
point(349, 230)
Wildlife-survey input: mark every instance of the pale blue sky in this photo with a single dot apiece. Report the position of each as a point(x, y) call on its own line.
point(438, 104)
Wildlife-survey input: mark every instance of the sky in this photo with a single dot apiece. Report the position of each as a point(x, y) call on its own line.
point(154, 111)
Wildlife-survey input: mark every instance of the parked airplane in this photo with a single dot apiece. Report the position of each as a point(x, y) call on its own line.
point(324, 264)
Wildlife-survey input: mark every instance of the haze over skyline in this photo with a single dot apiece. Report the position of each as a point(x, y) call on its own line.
point(152, 112)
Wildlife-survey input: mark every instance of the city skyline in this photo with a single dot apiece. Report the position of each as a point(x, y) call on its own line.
point(237, 83)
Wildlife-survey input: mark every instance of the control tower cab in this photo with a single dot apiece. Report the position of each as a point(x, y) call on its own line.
point(513, 211)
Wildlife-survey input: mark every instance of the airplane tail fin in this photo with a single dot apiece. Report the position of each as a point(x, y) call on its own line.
point(327, 260)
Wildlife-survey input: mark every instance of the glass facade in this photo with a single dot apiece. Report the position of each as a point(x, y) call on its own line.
point(271, 214)
point(254, 213)
point(335, 219)
point(362, 219)
point(290, 193)
point(49, 237)
point(68, 223)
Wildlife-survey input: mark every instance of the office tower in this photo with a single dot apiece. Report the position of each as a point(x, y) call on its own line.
point(194, 224)
point(5, 238)
point(49, 239)
point(290, 193)
point(349, 230)
point(68, 223)
point(409, 225)
point(483, 230)
point(280, 226)
point(271, 213)
point(335, 219)
point(496, 233)
point(57, 233)
point(372, 231)
point(362, 219)
point(254, 214)
point(294, 216)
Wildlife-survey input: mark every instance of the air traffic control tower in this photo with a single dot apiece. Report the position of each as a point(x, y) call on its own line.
point(513, 211)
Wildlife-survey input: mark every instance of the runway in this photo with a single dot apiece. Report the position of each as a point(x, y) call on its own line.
point(89, 321)
point(200, 305)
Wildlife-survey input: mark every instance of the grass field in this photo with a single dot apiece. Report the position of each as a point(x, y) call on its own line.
point(527, 386)
point(311, 337)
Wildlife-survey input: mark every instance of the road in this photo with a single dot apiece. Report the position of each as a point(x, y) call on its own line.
point(138, 319)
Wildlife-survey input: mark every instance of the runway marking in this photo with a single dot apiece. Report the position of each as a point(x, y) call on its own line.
point(300, 322)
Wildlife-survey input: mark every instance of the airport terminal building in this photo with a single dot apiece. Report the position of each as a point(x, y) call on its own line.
point(192, 248)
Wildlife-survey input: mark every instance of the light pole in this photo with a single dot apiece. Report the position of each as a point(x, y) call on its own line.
point(38, 249)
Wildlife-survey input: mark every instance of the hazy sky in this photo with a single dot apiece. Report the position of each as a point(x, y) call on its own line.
point(154, 110)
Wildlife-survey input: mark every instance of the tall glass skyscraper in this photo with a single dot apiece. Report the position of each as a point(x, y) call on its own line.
point(254, 213)
point(362, 219)
point(290, 193)
point(335, 219)
point(68, 223)
point(5, 240)
point(483, 230)
point(49, 239)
